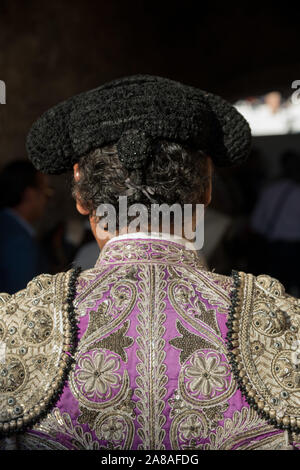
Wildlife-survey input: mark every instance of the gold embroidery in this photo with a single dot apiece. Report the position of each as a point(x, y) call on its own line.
point(208, 317)
point(205, 374)
point(265, 322)
point(275, 442)
point(208, 401)
point(28, 382)
point(120, 304)
point(2, 330)
point(126, 406)
point(184, 298)
point(4, 299)
point(36, 327)
point(95, 290)
point(97, 374)
point(224, 281)
point(188, 343)
point(204, 285)
point(152, 378)
point(78, 390)
point(186, 428)
point(61, 423)
point(115, 428)
point(205, 382)
point(244, 425)
point(145, 251)
point(34, 442)
point(215, 414)
point(13, 375)
point(117, 342)
point(180, 408)
point(103, 392)
point(87, 416)
point(98, 318)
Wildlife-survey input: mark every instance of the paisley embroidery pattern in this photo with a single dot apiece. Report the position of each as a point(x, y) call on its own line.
point(59, 424)
point(245, 430)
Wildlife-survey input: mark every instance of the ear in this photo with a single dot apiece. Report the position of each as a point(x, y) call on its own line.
point(207, 195)
point(79, 205)
point(80, 208)
point(208, 190)
point(76, 172)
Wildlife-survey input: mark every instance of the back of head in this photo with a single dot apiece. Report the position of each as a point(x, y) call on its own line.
point(14, 179)
point(174, 175)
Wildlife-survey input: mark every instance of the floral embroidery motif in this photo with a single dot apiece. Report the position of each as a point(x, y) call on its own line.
point(191, 427)
point(206, 374)
point(112, 429)
point(257, 348)
point(96, 374)
point(188, 429)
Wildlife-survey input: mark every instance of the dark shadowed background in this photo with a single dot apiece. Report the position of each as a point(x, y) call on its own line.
point(52, 50)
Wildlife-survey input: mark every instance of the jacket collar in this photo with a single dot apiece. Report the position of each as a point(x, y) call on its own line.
point(148, 246)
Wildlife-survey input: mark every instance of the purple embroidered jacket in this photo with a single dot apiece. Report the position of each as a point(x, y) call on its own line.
point(152, 368)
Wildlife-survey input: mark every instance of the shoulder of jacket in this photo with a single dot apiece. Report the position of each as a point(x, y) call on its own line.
point(264, 343)
point(37, 340)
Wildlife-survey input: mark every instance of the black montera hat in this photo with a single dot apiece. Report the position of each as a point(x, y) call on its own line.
point(134, 112)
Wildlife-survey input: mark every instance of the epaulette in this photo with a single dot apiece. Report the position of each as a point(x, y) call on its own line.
point(38, 338)
point(264, 348)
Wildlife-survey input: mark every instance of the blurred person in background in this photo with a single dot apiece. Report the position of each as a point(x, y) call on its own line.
point(23, 197)
point(276, 220)
point(88, 251)
point(61, 242)
point(266, 115)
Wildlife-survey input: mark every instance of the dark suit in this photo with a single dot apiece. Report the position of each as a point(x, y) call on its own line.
point(20, 256)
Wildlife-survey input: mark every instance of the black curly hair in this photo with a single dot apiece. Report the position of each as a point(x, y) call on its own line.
point(174, 175)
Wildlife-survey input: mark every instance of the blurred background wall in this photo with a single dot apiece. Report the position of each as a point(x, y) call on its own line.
point(52, 50)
